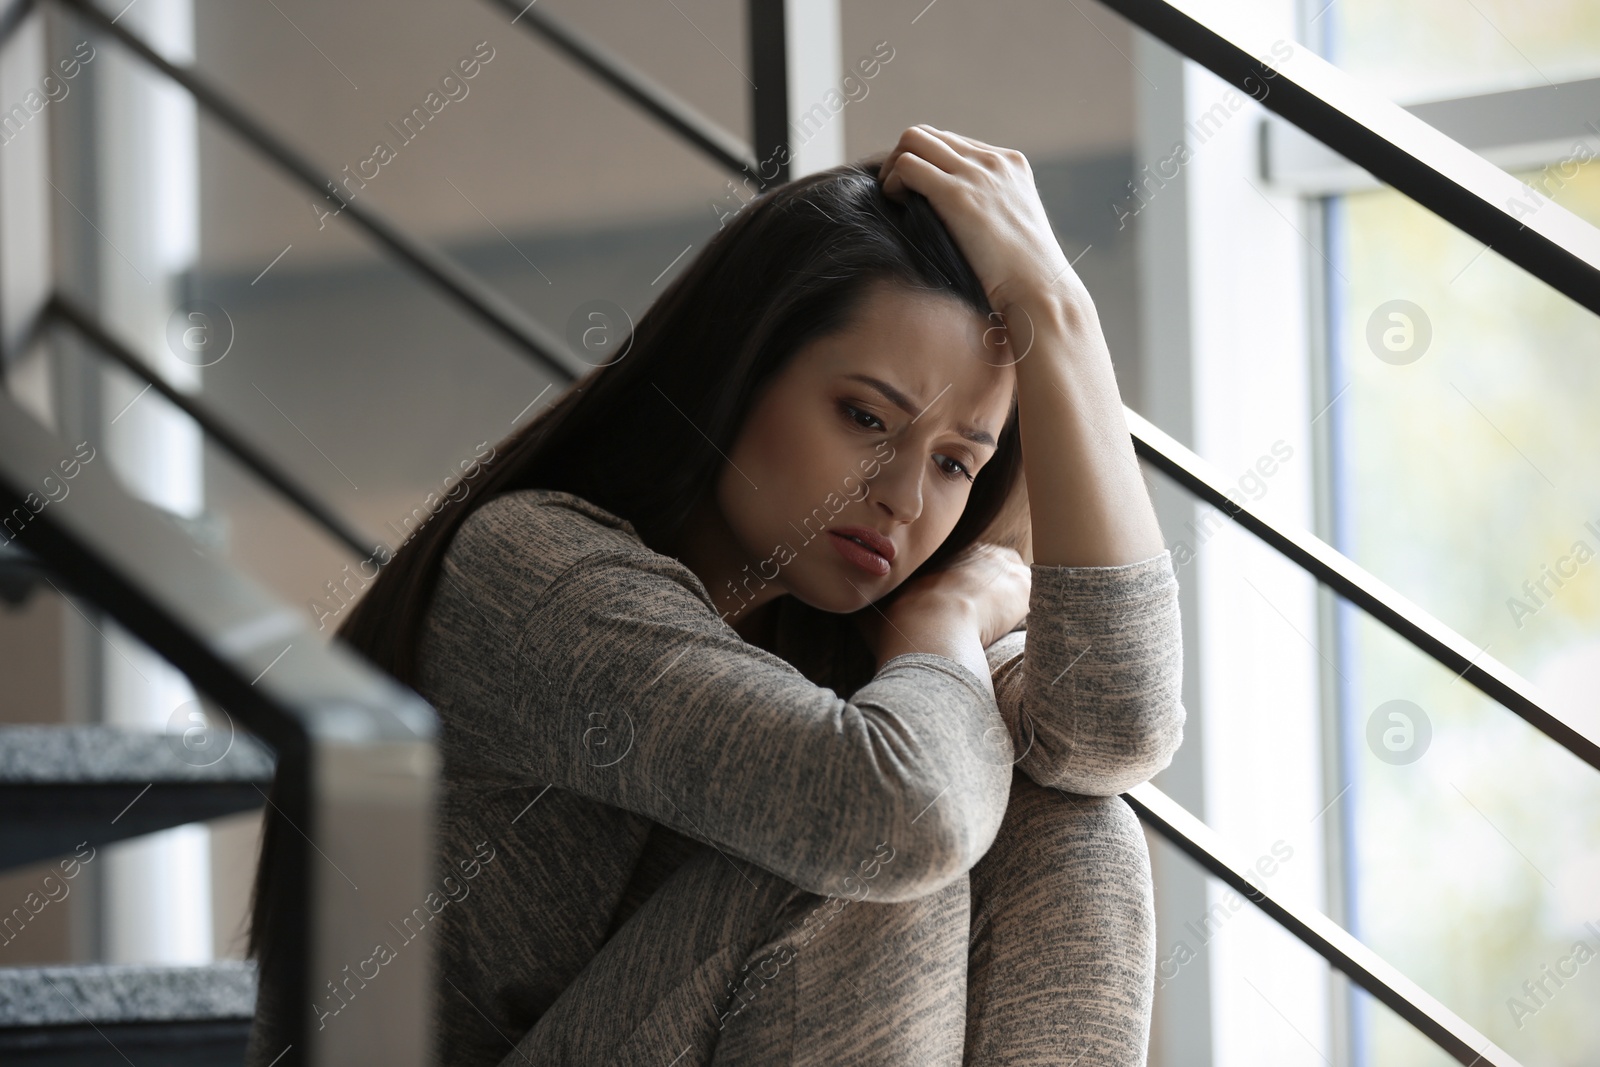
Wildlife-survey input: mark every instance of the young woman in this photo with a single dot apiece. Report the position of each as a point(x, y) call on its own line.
point(728, 650)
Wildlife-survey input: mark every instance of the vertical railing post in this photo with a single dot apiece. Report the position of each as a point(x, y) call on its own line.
point(796, 117)
point(769, 96)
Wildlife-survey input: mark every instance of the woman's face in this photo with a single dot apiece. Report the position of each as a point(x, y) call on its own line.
point(880, 427)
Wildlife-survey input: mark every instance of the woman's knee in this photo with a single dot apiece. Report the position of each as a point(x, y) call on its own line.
point(1077, 840)
point(846, 976)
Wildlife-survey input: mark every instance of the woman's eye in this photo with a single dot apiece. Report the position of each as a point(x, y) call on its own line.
point(855, 414)
point(959, 472)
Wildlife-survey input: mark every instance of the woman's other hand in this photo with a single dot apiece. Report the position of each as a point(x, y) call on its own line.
point(982, 592)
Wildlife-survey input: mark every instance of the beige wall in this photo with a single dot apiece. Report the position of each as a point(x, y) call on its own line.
point(535, 143)
point(1040, 76)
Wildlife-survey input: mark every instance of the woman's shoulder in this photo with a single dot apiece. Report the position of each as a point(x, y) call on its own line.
point(515, 548)
point(522, 541)
point(549, 525)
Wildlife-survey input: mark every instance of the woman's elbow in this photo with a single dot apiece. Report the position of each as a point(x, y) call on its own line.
point(1152, 744)
point(1122, 754)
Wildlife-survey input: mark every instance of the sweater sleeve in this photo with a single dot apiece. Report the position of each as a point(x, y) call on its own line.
point(632, 691)
point(1094, 706)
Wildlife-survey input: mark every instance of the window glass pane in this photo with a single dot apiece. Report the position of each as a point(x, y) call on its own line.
point(1464, 452)
point(1429, 49)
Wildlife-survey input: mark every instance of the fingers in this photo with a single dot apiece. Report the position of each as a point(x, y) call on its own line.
point(894, 153)
point(965, 150)
point(913, 172)
point(946, 151)
point(926, 144)
point(982, 146)
point(938, 146)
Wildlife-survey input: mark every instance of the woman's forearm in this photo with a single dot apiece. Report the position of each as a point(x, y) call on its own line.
point(1086, 493)
point(948, 627)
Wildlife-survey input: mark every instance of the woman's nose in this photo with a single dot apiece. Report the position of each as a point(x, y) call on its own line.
point(897, 490)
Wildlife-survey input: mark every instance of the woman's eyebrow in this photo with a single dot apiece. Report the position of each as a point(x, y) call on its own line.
point(912, 408)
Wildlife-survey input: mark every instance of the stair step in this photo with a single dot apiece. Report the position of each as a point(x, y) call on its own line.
point(193, 1016)
point(99, 993)
point(62, 785)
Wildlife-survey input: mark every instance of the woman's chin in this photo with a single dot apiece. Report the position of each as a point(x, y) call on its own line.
point(839, 593)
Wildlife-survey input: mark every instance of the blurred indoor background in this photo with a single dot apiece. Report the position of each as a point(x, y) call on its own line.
point(1349, 362)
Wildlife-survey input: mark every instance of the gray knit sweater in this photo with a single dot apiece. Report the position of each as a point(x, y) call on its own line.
point(599, 718)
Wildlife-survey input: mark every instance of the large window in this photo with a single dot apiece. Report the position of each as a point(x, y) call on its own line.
point(1428, 49)
point(1466, 481)
point(1463, 449)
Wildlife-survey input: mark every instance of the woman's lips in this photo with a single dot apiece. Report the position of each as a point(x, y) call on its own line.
point(860, 555)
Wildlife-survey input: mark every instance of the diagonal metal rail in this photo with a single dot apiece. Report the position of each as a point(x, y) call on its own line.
point(1331, 567)
point(1461, 187)
point(63, 309)
point(723, 148)
point(1319, 933)
point(493, 310)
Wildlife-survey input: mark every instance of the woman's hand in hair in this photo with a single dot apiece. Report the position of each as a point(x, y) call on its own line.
point(1087, 501)
point(986, 197)
point(982, 593)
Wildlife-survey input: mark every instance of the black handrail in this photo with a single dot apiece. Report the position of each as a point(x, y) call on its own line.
point(1324, 936)
point(722, 147)
point(1351, 581)
point(63, 309)
point(525, 335)
point(1459, 186)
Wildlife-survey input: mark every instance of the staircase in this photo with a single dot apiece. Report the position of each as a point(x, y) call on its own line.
point(352, 752)
point(65, 793)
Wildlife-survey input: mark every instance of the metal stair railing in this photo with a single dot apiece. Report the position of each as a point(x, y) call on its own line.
point(1347, 578)
point(660, 102)
point(63, 309)
point(1397, 147)
point(1439, 174)
point(1324, 936)
point(443, 273)
point(356, 763)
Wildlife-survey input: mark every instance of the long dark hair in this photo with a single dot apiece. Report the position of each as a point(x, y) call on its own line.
point(644, 436)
